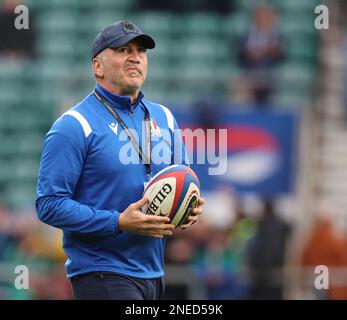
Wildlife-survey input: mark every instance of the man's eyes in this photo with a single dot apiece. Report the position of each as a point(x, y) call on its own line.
point(126, 49)
point(123, 49)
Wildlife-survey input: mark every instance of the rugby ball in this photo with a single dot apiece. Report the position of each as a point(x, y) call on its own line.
point(173, 192)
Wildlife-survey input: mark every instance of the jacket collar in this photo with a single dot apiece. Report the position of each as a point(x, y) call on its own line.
point(117, 101)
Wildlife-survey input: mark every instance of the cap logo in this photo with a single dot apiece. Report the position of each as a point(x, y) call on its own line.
point(128, 27)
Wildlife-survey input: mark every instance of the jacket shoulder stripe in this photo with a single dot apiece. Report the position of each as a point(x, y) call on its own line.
point(169, 118)
point(82, 120)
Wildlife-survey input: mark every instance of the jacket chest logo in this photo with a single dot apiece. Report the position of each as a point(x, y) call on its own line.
point(155, 130)
point(114, 127)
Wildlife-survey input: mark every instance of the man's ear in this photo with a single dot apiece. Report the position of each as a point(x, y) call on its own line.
point(98, 67)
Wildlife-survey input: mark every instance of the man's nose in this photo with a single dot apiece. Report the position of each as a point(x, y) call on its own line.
point(134, 55)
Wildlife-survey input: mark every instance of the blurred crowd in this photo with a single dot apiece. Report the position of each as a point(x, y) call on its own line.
point(237, 250)
point(26, 241)
point(16, 44)
point(261, 49)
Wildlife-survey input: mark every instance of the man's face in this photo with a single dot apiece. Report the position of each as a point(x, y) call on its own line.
point(124, 69)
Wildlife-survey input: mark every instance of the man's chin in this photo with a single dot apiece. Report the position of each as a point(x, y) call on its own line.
point(134, 84)
point(131, 90)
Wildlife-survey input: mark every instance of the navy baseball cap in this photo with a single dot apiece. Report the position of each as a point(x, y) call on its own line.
point(117, 35)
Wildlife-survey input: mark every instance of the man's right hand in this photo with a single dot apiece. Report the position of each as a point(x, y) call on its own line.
point(133, 220)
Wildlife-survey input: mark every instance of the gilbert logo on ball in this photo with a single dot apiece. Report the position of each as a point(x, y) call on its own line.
point(173, 192)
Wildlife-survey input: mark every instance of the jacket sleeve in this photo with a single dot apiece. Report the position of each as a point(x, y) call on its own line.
point(65, 148)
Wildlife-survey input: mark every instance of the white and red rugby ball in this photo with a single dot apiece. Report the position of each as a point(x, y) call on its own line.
point(173, 192)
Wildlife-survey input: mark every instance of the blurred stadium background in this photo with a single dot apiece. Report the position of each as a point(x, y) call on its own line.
point(279, 210)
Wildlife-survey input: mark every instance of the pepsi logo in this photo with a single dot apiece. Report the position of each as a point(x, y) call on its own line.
point(253, 155)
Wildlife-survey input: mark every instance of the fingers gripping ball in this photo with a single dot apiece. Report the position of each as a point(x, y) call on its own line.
point(173, 192)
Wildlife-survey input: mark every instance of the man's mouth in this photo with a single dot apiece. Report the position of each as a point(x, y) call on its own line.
point(132, 69)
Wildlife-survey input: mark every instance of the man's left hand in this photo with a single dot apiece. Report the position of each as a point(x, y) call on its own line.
point(194, 215)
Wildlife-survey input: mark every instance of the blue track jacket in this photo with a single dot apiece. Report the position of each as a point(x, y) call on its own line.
point(90, 173)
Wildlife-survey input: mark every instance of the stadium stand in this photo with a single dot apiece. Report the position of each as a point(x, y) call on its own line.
point(194, 56)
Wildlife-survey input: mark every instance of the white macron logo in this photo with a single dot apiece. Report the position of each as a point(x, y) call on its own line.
point(114, 127)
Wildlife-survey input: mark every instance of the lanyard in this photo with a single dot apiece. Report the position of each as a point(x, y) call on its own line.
point(146, 159)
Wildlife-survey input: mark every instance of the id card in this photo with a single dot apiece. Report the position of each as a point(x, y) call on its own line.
point(145, 184)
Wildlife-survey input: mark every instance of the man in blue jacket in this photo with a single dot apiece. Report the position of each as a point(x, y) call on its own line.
point(96, 159)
